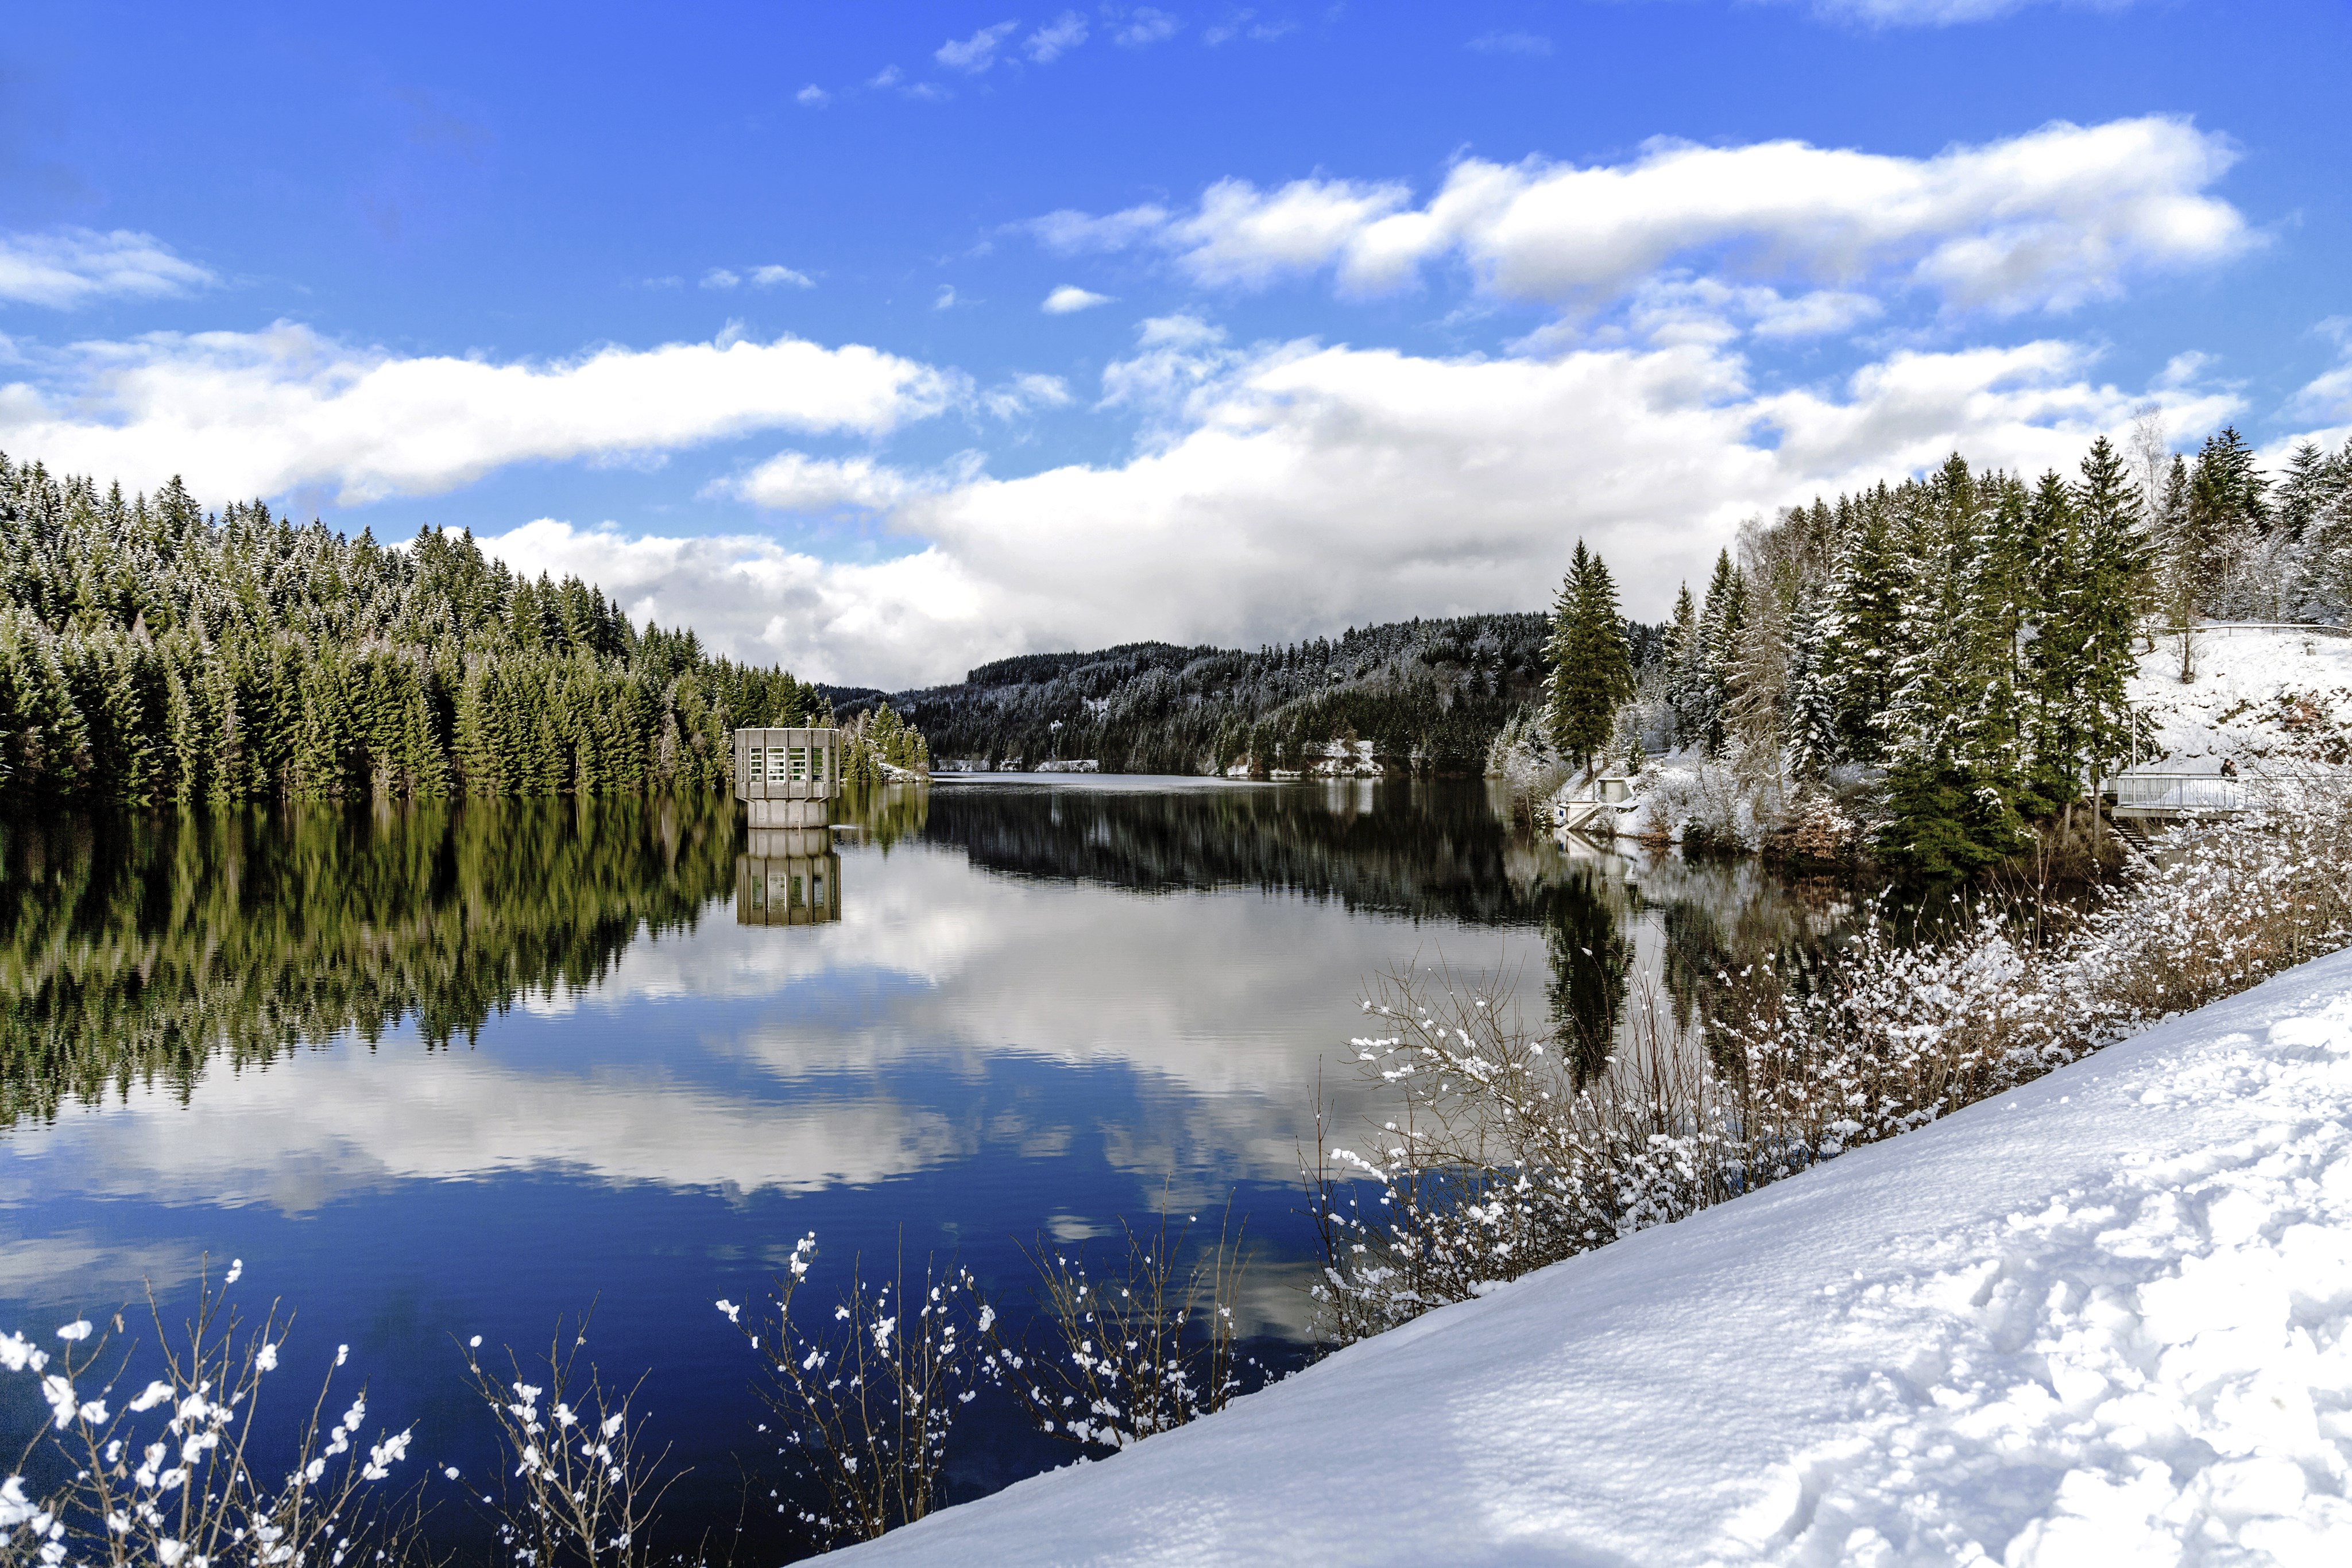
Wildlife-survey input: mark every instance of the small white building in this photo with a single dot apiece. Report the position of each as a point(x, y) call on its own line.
point(788, 778)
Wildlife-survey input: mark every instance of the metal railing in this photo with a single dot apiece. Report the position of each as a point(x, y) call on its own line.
point(2183, 792)
point(2225, 627)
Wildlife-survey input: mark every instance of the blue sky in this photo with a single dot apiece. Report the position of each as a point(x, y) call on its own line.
point(739, 310)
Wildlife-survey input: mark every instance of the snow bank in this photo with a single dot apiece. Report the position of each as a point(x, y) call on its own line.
point(2259, 693)
point(2100, 1319)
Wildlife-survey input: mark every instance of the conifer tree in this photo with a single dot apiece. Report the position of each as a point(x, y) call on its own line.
point(1591, 668)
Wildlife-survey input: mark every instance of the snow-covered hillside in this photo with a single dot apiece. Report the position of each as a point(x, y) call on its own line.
point(2258, 693)
point(2103, 1319)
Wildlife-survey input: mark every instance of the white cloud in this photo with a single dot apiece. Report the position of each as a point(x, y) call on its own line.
point(946, 298)
point(261, 413)
point(1056, 38)
point(1144, 26)
point(977, 53)
point(1296, 487)
point(2046, 220)
point(1244, 24)
point(1026, 394)
point(1068, 298)
point(1511, 44)
point(795, 482)
point(66, 268)
point(768, 276)
point(2326, 397)
point(888, 75)
point(1680, 308)
point(812, 97)
point(1073, 232)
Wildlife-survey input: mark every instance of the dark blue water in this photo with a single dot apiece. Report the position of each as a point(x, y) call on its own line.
point(442, 1072)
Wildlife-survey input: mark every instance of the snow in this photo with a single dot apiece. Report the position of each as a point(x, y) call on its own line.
point(2259, 692)
point(2101, 1319)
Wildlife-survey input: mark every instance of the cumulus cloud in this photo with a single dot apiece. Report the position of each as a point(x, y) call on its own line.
point(2046, 220)
point(812, 97)
point(65, 268)
point(1680, 308)
point(1068, 298)
point(2325, 398)
point(1291, 488)
point(261, 413)
point(977, 53)
point(1055, 38)
point(795, 482)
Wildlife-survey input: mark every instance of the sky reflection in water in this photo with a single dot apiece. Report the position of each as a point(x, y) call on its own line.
point(1043, 1007)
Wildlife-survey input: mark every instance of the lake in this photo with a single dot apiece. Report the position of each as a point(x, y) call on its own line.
point(436, 1071)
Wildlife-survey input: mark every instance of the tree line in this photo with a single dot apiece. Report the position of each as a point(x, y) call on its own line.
point(152, 653)
point(1961, 643)
point(1430, 694)
point(135, 949)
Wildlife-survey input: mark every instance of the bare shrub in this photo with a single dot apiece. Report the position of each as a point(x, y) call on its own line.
point(1145, 1348)
point(1499, 1159)
point(867, 1406)
point(580, 1493)
point(1502, 1157)
point(172, 1475)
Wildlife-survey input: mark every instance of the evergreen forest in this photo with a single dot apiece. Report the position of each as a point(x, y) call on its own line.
point(1951, 653)
point(1430, 694)
point(152, 652)
point(138, 950)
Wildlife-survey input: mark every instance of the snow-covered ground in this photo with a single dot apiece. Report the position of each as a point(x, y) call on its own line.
point(2103, 1319)
point(2258, 694)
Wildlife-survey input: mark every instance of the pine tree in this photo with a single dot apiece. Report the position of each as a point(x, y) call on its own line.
point(1591, 668)
point(1683, 653)
point(2113, 557)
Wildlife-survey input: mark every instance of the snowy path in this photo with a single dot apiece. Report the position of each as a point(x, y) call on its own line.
point(2101, 1320)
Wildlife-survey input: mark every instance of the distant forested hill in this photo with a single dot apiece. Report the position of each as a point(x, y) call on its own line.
point(1429, 695)
point(150, 653)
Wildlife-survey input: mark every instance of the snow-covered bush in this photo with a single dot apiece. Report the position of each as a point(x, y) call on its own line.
point(1700, 800)
point(868, 1403)
point(1521, 755)
point(1138, 1351)
point(173, 1475)
point(1500, 1158)
point(579, 1492)
point(1497, 1157)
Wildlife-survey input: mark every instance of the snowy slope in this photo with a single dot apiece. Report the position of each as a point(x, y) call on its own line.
point(2257, 693)
point(2101, 1320)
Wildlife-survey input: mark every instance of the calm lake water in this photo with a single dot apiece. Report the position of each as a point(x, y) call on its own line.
point(442, 1071)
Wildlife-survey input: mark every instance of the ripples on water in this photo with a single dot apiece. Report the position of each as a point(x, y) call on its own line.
point(441, 1070)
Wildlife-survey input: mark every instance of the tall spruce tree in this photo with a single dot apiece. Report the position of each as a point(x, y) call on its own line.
point(1591, 667)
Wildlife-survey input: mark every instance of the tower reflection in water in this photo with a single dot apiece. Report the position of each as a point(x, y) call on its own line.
point(788, 779)
point(788, 876)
